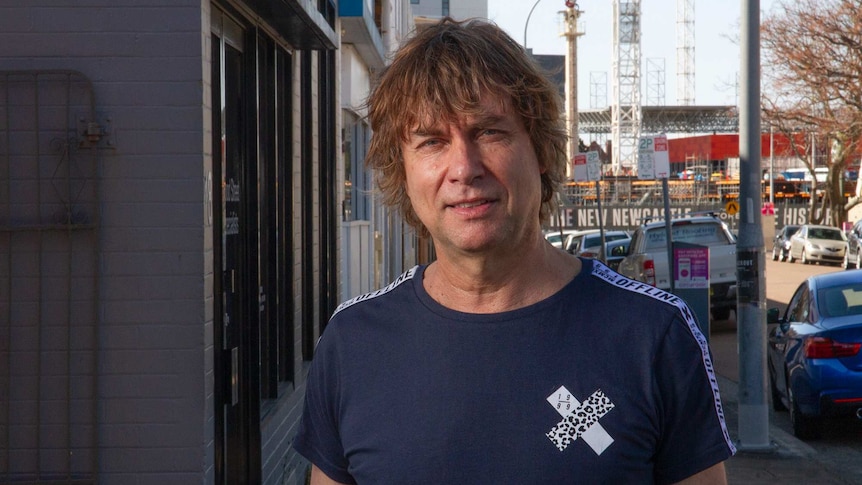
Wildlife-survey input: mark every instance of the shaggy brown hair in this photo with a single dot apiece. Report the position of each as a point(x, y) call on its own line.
point(443, 72)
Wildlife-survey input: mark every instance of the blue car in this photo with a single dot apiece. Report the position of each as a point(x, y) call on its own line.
point(813, 352)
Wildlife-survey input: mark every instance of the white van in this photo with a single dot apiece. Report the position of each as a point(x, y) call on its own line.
point(803, 174)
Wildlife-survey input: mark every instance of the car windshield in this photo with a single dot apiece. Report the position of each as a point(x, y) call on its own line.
point(553, 238)
point(596, 239)
point(829, 234)
point(705, 234)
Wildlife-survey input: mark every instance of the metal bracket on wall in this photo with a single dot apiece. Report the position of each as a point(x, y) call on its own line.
point(98, 133)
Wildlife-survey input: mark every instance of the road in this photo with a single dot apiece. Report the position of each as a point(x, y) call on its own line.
point(841, 444)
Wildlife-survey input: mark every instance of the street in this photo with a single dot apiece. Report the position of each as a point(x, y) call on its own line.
point(840, 447)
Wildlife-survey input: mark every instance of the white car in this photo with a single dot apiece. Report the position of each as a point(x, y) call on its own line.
point(557, 237)
point(572, 242)
point(824, 244)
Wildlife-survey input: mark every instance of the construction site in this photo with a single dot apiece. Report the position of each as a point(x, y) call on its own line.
point(703, 140)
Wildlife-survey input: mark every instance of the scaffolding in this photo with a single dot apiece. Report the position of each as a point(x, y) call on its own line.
point(626, 104)
point(685, 52)
point(655, 81)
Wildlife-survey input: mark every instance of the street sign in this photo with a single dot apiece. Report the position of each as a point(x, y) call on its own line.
point(662, 157)
point(587, 167)
point(653, 158)
point(579, 167)
point(692, 267)
point(732, 207)
point(594, 166)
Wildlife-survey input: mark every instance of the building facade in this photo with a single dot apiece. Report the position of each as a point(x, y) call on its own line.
point(171, 217)
point(378, 246)
point(457, 9)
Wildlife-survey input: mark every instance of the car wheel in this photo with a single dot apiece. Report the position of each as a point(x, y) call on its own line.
point(790, 257)
point(721, 313)
point(774, 253)
point(777, 405)
point(846, 263)
point(804, 427)
point(804, 259)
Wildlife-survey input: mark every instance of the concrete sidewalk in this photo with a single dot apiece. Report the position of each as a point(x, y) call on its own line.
point(790, 462)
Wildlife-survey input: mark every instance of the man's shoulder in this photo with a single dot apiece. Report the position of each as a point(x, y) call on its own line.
point(605, 274)
point(648, 300)
point(375, 295)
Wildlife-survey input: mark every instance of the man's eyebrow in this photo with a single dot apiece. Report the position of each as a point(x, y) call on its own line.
point(424, 131)
point(488, 119)
point(480, 120)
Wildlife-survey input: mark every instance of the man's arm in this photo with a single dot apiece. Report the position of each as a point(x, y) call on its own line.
point(320, 478)
point(713, 475)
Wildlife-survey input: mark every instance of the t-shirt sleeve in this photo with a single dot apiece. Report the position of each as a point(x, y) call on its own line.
point(694, 434)
point(317, 438)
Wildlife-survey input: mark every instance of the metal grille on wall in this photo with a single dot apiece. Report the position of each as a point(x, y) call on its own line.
point(49, 249)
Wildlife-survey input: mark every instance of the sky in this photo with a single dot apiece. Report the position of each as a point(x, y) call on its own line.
point(716, 51)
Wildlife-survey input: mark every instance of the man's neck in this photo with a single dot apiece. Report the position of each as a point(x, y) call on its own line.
point(503, 282)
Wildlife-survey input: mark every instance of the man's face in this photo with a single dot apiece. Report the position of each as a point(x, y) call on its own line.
point(474, 181)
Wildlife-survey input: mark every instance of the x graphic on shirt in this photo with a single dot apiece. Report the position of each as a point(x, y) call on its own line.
point(580, 420)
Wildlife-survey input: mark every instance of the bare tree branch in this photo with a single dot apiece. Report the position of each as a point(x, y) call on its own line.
point(812, 67)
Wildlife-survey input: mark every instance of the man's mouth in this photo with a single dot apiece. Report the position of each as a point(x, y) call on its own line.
point(472, 203)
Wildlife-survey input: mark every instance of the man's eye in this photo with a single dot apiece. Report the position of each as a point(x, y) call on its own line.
point(430, 143)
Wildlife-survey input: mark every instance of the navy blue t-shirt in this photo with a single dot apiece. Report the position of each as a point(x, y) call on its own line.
point(607, 381)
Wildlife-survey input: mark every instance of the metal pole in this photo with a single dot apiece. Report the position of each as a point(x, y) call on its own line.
point(671, 267)
point(750, 257)
point(560, 220)
point(771, 166)
point(602, 256)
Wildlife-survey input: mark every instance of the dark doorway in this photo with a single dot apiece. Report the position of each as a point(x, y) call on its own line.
point(237, 439)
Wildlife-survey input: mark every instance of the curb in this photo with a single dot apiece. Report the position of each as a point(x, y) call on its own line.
point(784, 441)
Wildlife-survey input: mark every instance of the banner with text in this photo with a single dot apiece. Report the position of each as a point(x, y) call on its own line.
point(628, 218)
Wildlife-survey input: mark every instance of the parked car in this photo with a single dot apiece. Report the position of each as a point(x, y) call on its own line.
point(824, 244)
point(813, 353)
point(781, 242)
point(572, 242)
point(647, 258)
point(557, 237)
point(590, 244)
point(853, 255)
point(616, 251)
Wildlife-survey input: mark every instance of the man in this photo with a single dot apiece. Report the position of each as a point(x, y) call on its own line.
point(505, 360)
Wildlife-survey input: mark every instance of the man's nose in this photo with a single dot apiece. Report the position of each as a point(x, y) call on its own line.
point(466, 163)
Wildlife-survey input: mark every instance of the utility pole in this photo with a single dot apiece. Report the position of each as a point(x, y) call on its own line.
point(750, 257)
point(571, 15)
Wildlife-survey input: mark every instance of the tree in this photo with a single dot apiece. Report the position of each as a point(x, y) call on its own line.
point(812, 67)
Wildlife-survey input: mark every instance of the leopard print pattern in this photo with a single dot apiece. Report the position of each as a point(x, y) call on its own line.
point(580, 420)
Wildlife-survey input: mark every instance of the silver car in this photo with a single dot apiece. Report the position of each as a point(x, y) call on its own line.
point(557, 237)
point(590, 245)
point(824, 244)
